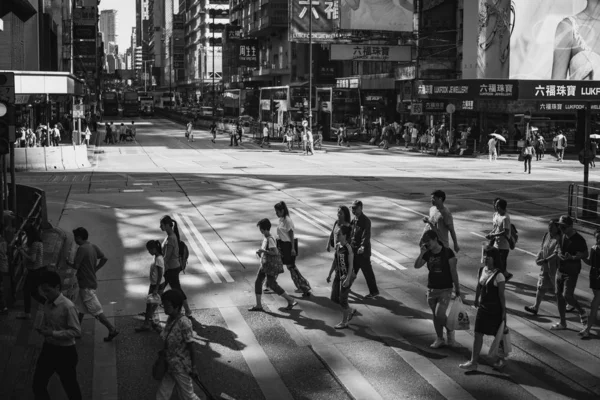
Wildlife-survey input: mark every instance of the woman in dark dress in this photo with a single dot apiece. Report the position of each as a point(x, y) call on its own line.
point(490, 303)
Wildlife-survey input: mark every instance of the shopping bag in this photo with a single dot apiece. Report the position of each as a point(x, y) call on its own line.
point(153, 299)
point(493, 352)
point(505, 347)
point(457, 319)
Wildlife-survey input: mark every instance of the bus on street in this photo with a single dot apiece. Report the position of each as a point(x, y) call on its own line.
point(110, 104)
point(131, 104)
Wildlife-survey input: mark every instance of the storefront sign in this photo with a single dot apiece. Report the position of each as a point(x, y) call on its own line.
point(325, 21)
point(348, 83)
point(416, 109)
point(247, 53)
point(560, 90)
point(468, 89)
point(467, 105)
point(434, 106)
point(367, 52)
point(405, 73)
point(564, 106)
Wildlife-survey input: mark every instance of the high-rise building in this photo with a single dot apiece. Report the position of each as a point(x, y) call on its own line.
point(142, 23)
point(108, 27)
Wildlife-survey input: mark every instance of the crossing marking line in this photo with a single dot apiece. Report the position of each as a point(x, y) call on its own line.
point(516, 248)
point(207, 266)
point(266, 375)
point(217, 263)
point(378, 257)
point(104, 381)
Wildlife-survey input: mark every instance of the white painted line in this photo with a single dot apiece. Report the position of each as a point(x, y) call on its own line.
point(142, 184)
point(516, 248)
point(104, 381)
point(389, 260)
point(312, 217)
point(217, 263)
point(410, 209)
point(207, 266)
point(132, 190)
point(319, 227)
point(382, 263)
point(260, 366)
point(346, 373)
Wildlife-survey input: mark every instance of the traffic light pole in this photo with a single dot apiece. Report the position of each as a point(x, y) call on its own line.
point(13, 180)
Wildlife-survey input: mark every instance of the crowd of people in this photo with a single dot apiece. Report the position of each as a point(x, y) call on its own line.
point(120, 134)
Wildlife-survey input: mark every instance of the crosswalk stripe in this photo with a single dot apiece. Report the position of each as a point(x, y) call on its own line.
point(389, 260)
point(217, 263)
point(383, 264)
point(326, 228)
point(516, 248)
point(207, 266)
point(257, 360)
point(104, 381)
point(316, 225)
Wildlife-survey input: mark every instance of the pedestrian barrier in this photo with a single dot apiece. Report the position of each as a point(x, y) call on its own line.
point(583, 205)
point(51, 158)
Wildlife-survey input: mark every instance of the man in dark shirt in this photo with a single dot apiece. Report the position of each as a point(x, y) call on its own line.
point(571, 249)
point(361, 246)
point(88, 260)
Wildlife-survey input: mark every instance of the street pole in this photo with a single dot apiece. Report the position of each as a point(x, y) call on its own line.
point(145, 87)
point(213, 64)
point(310, 56)
point(588, 207)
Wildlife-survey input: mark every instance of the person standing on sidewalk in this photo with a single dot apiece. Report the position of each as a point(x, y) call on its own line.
point(88, 260)
point(492, 149)
point(572, 248)
point(440, 220)
point(189, 131)
point(60, 327)
point(361, 246)
point(309, 142)
point(499, 234)
point(528, 153)
point(34, 264)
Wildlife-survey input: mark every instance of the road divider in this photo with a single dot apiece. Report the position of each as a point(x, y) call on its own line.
point(51, 158)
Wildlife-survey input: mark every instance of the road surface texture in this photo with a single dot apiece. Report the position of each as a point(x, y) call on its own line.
point(218, 193)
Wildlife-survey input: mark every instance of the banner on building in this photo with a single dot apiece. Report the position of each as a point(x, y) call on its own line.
point(396, 16)
point(247, 53)
point(85, 16)
point(325, 21)
point(369, 52)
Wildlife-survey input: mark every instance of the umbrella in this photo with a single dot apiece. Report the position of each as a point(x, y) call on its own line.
point(408, 124)
point(499, 137)
point(595, 136)
point(534, 129)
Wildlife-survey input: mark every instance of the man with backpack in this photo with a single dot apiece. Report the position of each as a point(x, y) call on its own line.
point(501, 235)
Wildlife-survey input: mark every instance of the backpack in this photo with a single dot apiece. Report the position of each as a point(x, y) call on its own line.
point(184, 254)
point(513, 237)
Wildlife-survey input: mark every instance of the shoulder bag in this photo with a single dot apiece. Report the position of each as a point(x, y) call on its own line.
point(271, 264)
point(159, 369)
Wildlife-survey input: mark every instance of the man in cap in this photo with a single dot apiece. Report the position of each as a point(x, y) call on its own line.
point(571, 249)
point(361, 246)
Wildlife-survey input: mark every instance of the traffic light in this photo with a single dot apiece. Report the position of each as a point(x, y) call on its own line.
point(7, 127)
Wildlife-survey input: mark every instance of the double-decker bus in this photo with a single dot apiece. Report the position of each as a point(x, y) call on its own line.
point(345, 109)
point(146, 104)
point(110, 104)
point(131, 104)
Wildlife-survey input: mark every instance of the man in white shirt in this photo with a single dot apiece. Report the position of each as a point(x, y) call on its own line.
point(440, 220)
point(492, 149)
point(265, 136)
point(309, 142)
point(55, 136)
point(561, 145)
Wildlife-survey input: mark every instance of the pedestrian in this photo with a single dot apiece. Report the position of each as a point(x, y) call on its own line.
point(268, 246)
point(440, 220)
point(59, 327)
point(594, 262)
point(178, 337)
point(572, 248)
point(341, 134)
point(213, 131)
point(132, 130)
point(443, 275)
point(172, 258)
point(594, 151)
point(344, 275)
point(87, 136)
point(287, 245)
point(265, 136)
point(406, 136)
point(289, 137)
point(561, 145)
point(189, 131)
point(157, 269)
point(3, 270)
point(233, 137)
point(114, 133)
point(547, 259)
point(108, 133)
point(361, 246)
point(490, 302)
point(88, 261)
point(122, 133)
point(239, 130)
point(414, 133)
point(343, 219)
point(56, 136)
point(309, 142)
point(33, 255)
point(498, 236)
point(386, 136)
point(528, 153)
point(540, 147)
point(493, 154)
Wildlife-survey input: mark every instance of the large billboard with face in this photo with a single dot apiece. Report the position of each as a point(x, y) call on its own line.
point(555, 39)
point(377, 15)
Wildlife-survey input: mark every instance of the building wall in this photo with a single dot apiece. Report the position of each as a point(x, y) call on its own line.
point(12, 43)
point(108, 26)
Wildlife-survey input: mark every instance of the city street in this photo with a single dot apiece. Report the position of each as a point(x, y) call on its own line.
point(218, 193)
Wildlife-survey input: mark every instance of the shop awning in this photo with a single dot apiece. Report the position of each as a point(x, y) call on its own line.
point(52, 83)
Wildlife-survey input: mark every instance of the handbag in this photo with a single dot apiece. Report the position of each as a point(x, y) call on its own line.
point(271, 264)
point(521, 157)
point(160, 366)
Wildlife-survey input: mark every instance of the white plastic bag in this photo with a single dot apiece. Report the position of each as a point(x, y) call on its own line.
point(493, 352)
point(457, 319)
point(153, 299)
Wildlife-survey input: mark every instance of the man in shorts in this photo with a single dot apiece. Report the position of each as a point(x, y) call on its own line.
point(440, 220)
point(88, 260)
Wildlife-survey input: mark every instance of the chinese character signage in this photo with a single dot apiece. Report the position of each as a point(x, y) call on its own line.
point(416, 109)
point(247, 53)
point(434, 106)
point(347, 83)
point(468, 89)
point(497, 90)
point(362, 52)
point(325, 21)
point(396, 16)
point(467, 105)
point(559, 107)
point(560, 90)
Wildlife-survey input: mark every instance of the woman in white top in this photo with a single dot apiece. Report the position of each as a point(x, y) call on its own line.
point(285, 233)
point(528, 153)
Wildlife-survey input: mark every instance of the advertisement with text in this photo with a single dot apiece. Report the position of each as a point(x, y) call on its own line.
point(377, 15)
point(555, 39)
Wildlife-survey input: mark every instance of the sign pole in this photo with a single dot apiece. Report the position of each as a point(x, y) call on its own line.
point(310, 61)
point(586, 165)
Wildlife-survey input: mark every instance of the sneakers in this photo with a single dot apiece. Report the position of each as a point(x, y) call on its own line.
point(341, 325)
point(439, 342)
point(372, 295)
point(450, 340)
point(531, 309)
point(469, 366)
point(585, 334)
point(501, 363)
point(558, 327)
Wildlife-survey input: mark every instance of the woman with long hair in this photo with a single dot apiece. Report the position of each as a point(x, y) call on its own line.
point(287, 248)
point(171, 254)
point(33, 255)
point(157, 269)
point(343, 219)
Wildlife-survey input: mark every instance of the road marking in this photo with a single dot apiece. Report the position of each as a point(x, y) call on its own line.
point(132, 190)
point(104, 381)
point(142, 184)
point(207, 266)
point(383, 264)
point(410, 209)
point(389, 260)
point(516, 248)
point(345, 372)
point(316, 225)
point(266, 375)
point(217, 263)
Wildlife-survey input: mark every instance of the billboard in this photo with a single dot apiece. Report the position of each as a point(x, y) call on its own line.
point(555, 39)
point(377, 15)
point(247, 51)
point(369, 52)
point(325, 21)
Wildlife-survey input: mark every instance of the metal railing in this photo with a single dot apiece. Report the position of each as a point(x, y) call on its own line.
point(15, 260)
point(583, 205)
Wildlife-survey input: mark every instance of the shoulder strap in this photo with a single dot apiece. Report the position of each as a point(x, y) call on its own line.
point(170, 329)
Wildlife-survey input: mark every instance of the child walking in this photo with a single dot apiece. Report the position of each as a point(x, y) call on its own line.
point(344, 276)
point(268, 247)
point(157, 269)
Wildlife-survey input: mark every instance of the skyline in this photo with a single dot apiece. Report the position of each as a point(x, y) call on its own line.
point(125, 20)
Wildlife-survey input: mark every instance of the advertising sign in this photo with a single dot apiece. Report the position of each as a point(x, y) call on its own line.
point(325, 21)
point(416, 109)
point(555, 39)
point(248, 53)
point(347, 83)
point(405, 72)
point(559, 90)
point(368, 52)
point(396, 16)
point(469, 89)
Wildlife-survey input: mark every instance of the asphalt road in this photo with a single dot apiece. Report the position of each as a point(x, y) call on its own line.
point(218, 193)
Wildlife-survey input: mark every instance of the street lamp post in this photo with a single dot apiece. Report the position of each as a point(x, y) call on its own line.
point(310, 57)
point(213, 67)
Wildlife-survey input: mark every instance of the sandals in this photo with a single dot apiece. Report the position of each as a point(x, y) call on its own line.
point(256, 308)
point(290, 306)
point(558, 327)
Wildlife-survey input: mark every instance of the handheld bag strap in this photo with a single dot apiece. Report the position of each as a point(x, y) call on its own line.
point(170, 329)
